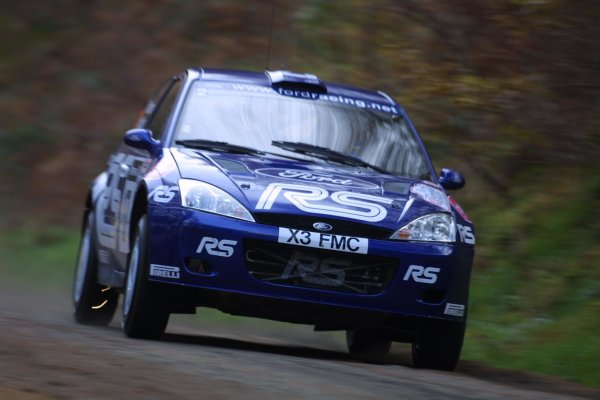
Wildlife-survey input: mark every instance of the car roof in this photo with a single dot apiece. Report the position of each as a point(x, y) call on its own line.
point(263, 79)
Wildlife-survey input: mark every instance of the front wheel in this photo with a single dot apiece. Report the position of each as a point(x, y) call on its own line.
point(93, 304)
point(145, 306)
point(438, 345)
point(367, 345)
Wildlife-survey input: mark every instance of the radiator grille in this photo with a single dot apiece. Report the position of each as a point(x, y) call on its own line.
point(313, 268)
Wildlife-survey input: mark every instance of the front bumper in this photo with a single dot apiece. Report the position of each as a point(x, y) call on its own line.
point(196, 249)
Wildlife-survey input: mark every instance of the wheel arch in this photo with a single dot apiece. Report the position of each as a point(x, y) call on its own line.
point(140, 207)
point(95, 190)
point(87, 208)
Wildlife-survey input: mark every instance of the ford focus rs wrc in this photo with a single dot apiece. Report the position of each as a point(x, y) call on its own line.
point(280, 196)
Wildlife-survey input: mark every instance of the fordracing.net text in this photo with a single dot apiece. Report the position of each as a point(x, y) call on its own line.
point(318, 96)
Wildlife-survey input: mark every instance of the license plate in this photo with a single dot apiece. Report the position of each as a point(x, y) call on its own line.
point(325, 241)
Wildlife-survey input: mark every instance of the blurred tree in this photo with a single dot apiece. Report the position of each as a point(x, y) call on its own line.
point(497, 87)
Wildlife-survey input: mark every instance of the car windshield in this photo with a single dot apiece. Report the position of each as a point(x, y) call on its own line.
point(262, 119)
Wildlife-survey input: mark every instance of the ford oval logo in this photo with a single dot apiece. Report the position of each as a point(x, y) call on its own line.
point(318, 177)
point(322, 226)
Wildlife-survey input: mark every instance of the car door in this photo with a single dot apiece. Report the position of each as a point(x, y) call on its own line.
point(126, 168)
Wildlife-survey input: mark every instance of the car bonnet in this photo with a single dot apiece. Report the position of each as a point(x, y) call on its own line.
point(267, 184)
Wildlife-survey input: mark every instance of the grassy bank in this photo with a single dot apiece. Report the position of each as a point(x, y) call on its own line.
point(536, 284)
point(41, 257)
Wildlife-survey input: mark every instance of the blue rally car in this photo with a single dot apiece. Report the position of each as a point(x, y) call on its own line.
point(278, 195)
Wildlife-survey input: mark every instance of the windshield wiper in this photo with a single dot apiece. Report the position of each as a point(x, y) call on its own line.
point(325, 154)
point(204, 144)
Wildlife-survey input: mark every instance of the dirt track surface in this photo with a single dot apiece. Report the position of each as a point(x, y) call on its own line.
point(44, 354)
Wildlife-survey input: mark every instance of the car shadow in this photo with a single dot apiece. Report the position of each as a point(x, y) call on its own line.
point(279, 349)
point(399, 356)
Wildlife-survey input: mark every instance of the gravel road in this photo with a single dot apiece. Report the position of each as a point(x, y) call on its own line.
point(44, 354)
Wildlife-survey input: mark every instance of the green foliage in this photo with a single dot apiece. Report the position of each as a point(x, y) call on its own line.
point(23, 139)
point(536, 283)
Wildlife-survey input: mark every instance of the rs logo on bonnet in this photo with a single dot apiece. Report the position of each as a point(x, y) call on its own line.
point(316, 200)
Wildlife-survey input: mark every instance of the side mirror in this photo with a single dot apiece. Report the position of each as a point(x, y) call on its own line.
point(451, 180)
point(142, 139)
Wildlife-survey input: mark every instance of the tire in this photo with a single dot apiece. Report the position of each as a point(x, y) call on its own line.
point(145, 304)
point(93, 304)
point(439, 345)
point(367, 345)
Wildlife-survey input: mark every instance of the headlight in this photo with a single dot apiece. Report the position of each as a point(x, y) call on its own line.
point(209, 198)
point(428, 228)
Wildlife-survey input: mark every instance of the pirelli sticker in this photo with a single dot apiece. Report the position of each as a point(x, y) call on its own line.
point(325, 241)
point(164, 271)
